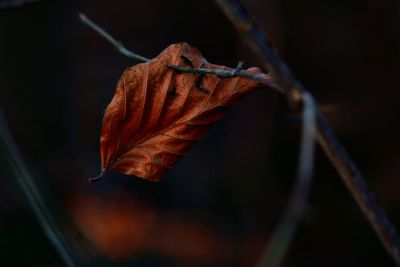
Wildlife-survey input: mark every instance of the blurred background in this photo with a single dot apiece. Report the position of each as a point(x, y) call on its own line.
point(220, 204)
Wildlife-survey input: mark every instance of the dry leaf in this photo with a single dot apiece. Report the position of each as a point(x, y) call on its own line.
point(157, 114)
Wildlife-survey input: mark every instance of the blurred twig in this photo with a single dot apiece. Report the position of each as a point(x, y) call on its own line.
point(29, 188)
point(297, 205)
point(347, 169)
point(118, 45)
point(15, 3)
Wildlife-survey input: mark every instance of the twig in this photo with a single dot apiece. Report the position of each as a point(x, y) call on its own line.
point(221, 73)
point(258, 41)
point(32, 195)
point(118, 45)
point(297, 205)
point(348, 171)
point(229, 74)
point(15, 3)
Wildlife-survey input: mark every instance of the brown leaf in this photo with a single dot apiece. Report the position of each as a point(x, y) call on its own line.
point(157, 114)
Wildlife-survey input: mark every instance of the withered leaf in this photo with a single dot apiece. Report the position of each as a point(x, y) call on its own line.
point(157, 114)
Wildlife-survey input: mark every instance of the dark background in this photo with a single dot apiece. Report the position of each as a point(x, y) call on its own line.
point(219, 205)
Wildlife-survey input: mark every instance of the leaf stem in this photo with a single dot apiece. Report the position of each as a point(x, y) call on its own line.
point(97, 178)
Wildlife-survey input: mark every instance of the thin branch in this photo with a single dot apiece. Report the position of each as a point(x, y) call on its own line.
point(221, 73)
point(297, 205)
point(15, 3)
point(32, 194)
point(229, 74)
point(117, 44)
point(335, 151)
point(258, 41)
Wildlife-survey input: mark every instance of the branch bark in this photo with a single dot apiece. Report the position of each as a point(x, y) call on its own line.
point(297, 205)
point(117, 44)
point(334, 150)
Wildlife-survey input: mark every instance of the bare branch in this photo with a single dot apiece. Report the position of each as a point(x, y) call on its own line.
point(15, 3)
point(118, 45)
point(29, 188)
point(229, 74)
point(335, 151)
point(297, 205)
point(221, 73)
